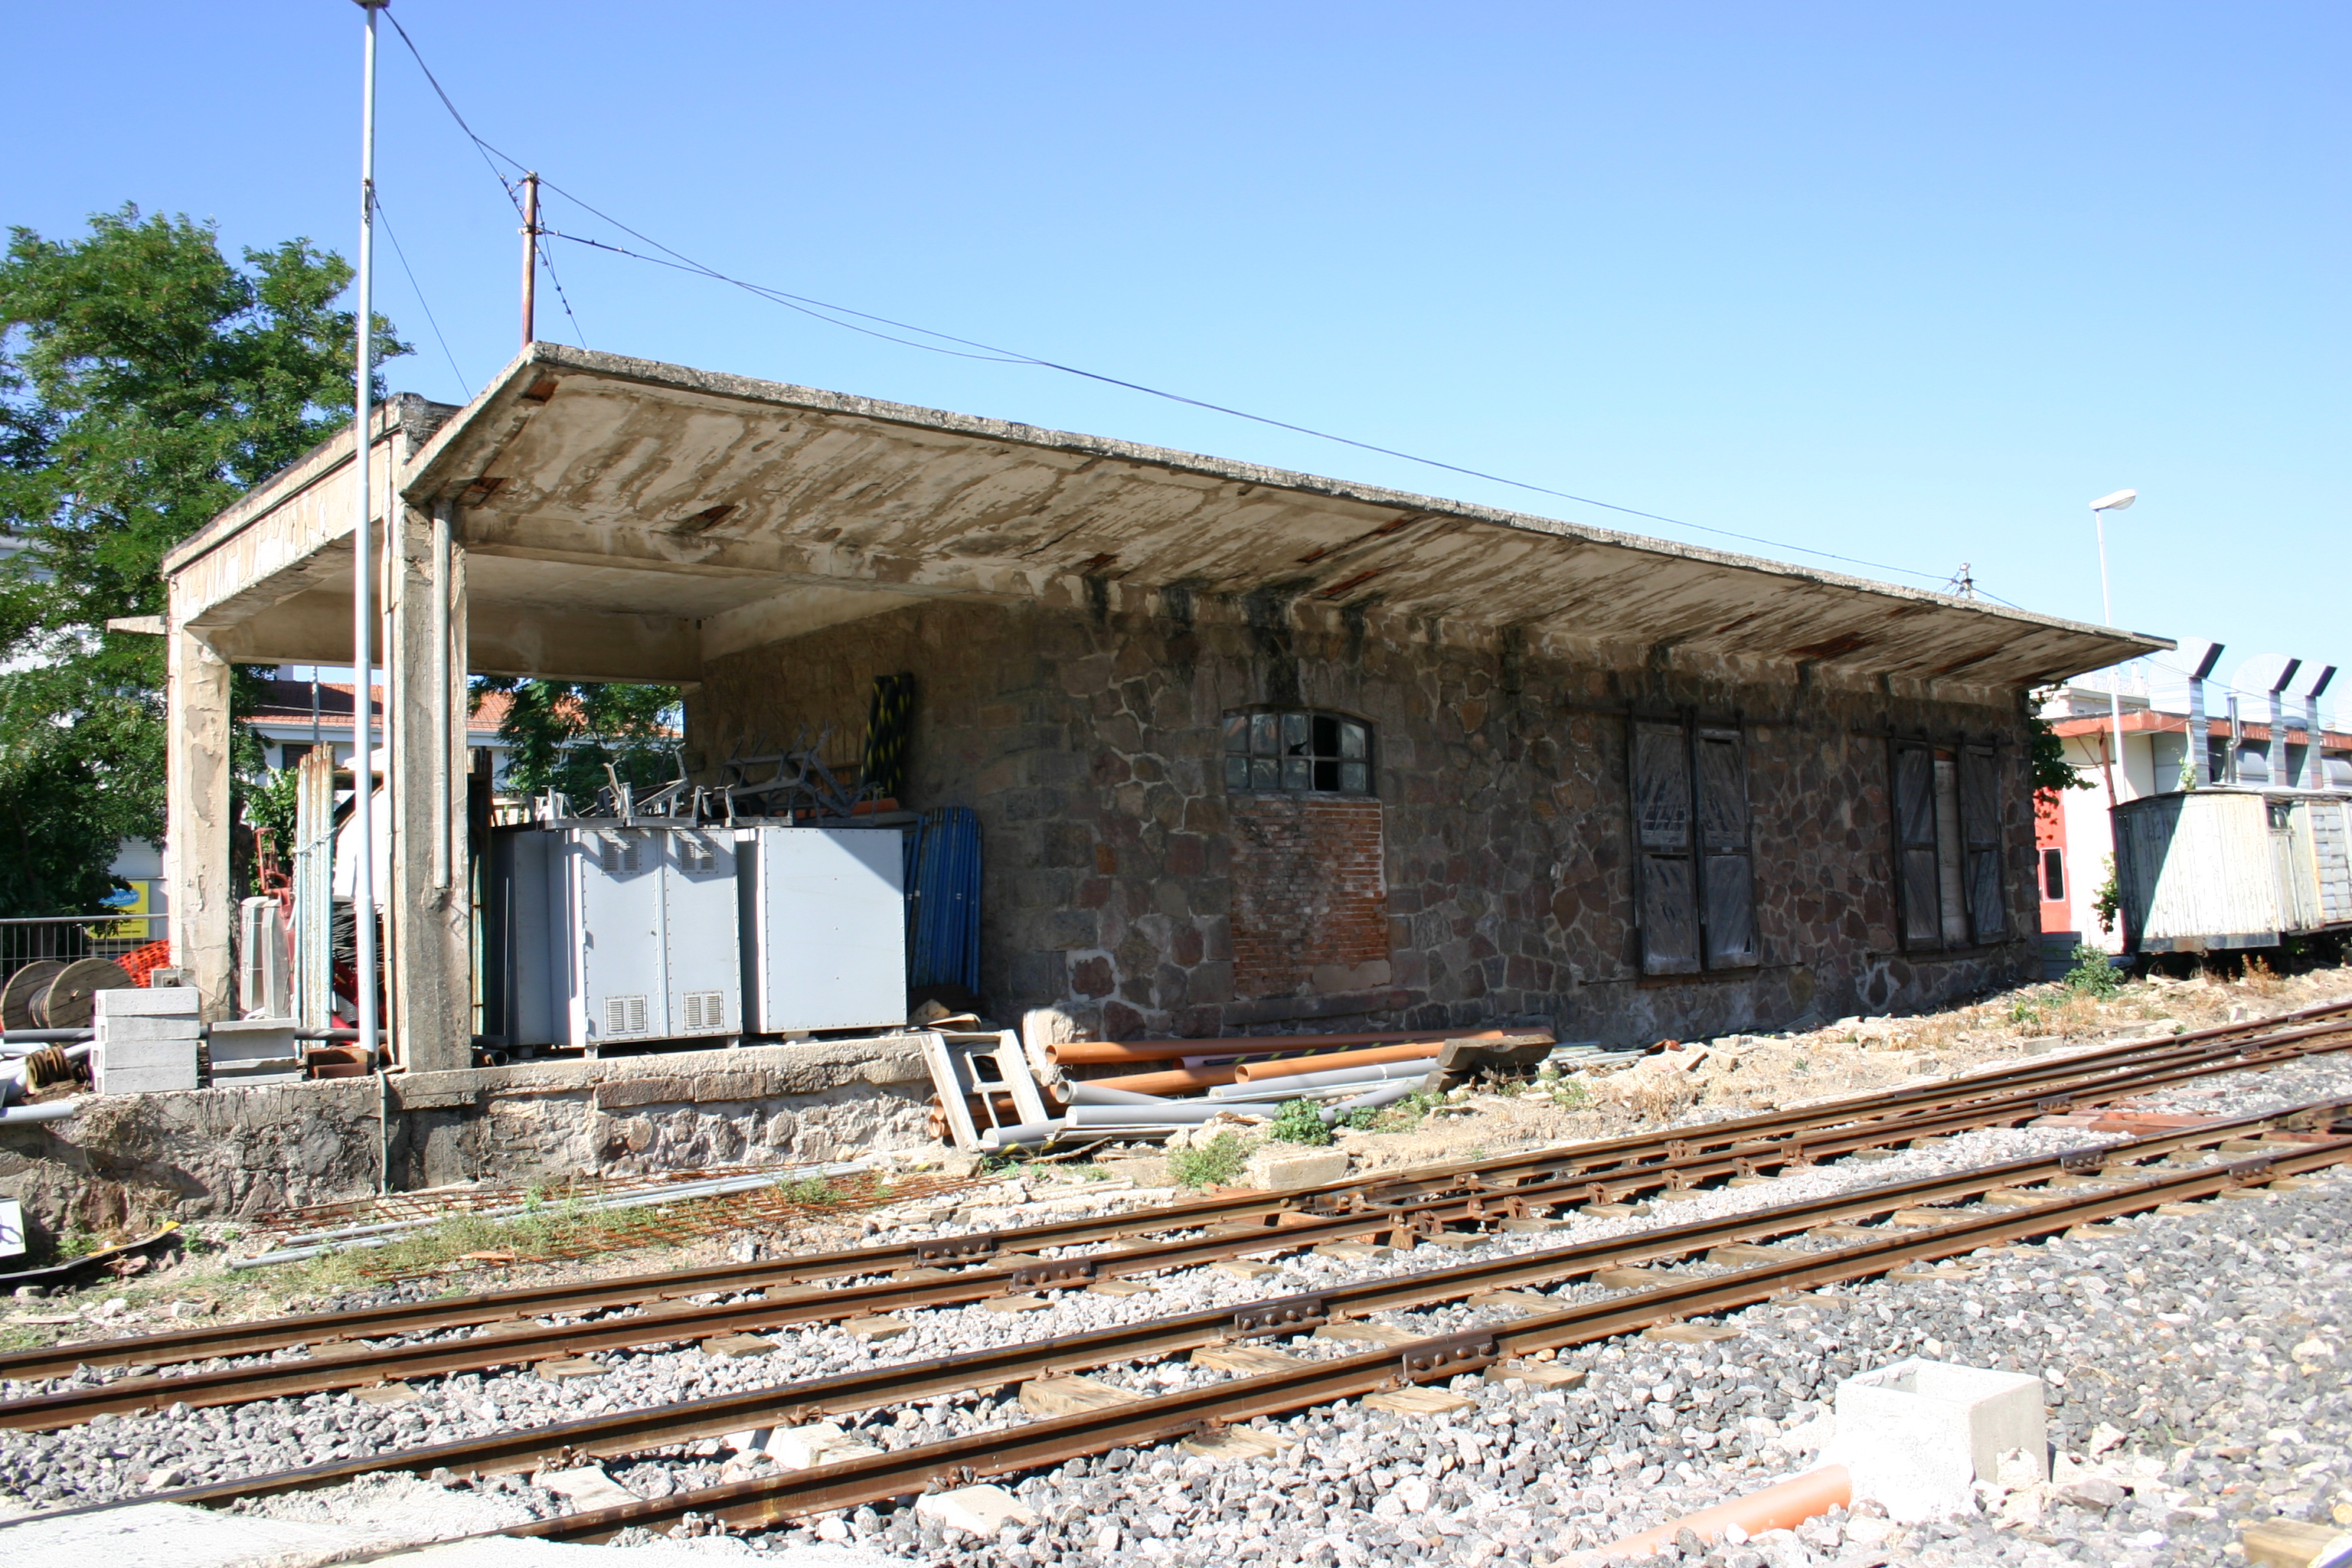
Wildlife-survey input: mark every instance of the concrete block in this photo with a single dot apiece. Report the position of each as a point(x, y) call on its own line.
point(1120, 1287)
point(147, 1001)
point(1143, 1170)
point(875, 1328)
point(2293, 1543)
point(134, 1030)
point(1353, 1249)
point(1628, 1279)
point(256, 1039)
point(1009, 1305)
point(1523, 1302)
point(1280, 1168)
point(564, 1369)
point(978, 1510)
point(1242, 1268)
point(1538, 1373)
point(1918, 1434)
point(736, 1347)
point(145, 1081)
point(127, 1055)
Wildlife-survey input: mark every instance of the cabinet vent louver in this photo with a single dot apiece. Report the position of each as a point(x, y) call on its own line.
point(617, 856)
point(624, 1015)
point(706, 1010)
point(695, 855)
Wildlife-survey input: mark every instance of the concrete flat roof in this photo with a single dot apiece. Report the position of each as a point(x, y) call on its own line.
point(628, 520)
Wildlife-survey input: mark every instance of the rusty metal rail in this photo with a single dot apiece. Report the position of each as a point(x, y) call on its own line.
point(772, 1500)
point(1620, 1167)
point(636, 1430)
point(1410, 1201)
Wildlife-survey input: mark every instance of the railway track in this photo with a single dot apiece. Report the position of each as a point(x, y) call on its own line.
point(2102, 1171)
point(1527, 1185)
point(768, 1502)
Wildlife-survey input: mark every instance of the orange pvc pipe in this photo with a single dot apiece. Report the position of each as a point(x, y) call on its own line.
point(1332, 1061)
point(1176, 1080)
point(1097, 1053)
point(1782, 1507)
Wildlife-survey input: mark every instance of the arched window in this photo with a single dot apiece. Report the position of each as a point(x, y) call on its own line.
point(1297, 750)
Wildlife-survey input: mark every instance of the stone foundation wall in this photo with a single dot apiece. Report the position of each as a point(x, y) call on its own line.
point(1088, 739)
point(227, 1153)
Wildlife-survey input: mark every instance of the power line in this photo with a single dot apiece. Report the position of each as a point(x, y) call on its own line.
point(561, 298)
point(825, 311)
point(422, 304)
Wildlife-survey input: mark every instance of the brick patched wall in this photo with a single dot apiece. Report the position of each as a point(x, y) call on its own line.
point(1310, 896)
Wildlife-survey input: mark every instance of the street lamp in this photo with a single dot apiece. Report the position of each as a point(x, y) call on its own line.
point(2116, 502)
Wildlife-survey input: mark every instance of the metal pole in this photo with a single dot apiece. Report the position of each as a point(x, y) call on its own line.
point(363, 562)
point(530, 257)
point(2115, 674)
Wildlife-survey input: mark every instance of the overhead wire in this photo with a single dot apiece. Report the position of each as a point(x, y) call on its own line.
point(422, 302)
point(972, 348)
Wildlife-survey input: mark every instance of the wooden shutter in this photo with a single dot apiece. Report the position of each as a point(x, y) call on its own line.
point(1919, 919)
point(1727, 872)
point(1665, 872)
point(1980, 842)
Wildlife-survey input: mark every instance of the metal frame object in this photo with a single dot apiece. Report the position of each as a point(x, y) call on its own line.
point(647, 947)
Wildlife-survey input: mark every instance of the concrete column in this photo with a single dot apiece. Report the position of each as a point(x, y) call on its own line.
point(429, 903)
point(196, 817)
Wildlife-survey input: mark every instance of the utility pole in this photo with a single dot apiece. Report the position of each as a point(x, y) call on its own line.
point(363, 566)
point(529, 257)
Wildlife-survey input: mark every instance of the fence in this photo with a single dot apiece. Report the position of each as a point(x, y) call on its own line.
point(68, 937)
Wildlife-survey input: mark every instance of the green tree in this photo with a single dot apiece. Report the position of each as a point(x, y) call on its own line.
point(145, 382)
point(562, 734)
point(2051, 770)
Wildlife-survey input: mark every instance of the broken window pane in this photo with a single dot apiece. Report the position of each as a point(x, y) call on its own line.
point(1294, 734)
point(1300, 750)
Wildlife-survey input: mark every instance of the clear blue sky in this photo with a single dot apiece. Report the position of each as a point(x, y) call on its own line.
point(1904, 283)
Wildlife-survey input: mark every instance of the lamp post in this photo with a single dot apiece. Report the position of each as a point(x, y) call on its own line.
point(2099, 510)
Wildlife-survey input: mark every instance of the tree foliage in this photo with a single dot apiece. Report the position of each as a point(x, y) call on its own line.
point(562, 734)
point(2051, 770)
point(145, 382)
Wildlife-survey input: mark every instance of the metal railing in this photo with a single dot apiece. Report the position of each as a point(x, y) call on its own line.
point(67, 938)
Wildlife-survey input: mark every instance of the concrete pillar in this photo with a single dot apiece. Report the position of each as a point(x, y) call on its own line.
point(196, 817)
point(429, 903)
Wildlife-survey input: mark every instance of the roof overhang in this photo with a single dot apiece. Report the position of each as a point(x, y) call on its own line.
point(670, 516)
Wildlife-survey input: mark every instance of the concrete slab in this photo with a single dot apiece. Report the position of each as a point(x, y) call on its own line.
point(875, 1328)
point(1521, 1301)
point(1242, 1268)
point(386, 1395)
point(1120, 1287)
point(1009, 1305)
point(808, 1445)
point(1690, 1333)
point(1277, 1170)
point(1353, 1250)
point(1628, 1279)
point(172, 1533)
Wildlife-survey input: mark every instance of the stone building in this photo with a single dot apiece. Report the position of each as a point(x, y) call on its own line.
point(1250, 749)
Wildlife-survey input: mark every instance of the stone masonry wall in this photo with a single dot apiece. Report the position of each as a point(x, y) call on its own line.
point(130, 1160)
point(1088, 738)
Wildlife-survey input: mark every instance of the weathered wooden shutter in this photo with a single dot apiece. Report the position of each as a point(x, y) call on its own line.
point(1919, 901)
point(1666, 873)
point(1980, 837)
point(1729, 873)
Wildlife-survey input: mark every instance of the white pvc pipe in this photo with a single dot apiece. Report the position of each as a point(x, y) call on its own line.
point(1336, 1077)
point(54, 1110)
point(1084, 1093)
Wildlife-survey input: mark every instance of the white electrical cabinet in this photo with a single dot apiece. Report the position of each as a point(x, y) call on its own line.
point(825, 915)
point(604, 934)
point(642, 929)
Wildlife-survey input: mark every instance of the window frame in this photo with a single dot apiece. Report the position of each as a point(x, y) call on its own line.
point(1693, 868)
point(1979, 849)
point(1257, 719)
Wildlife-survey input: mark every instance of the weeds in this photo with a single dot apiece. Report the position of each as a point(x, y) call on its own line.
point(2092, 975)
point(1213, 1165)
point(1299, 1122)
